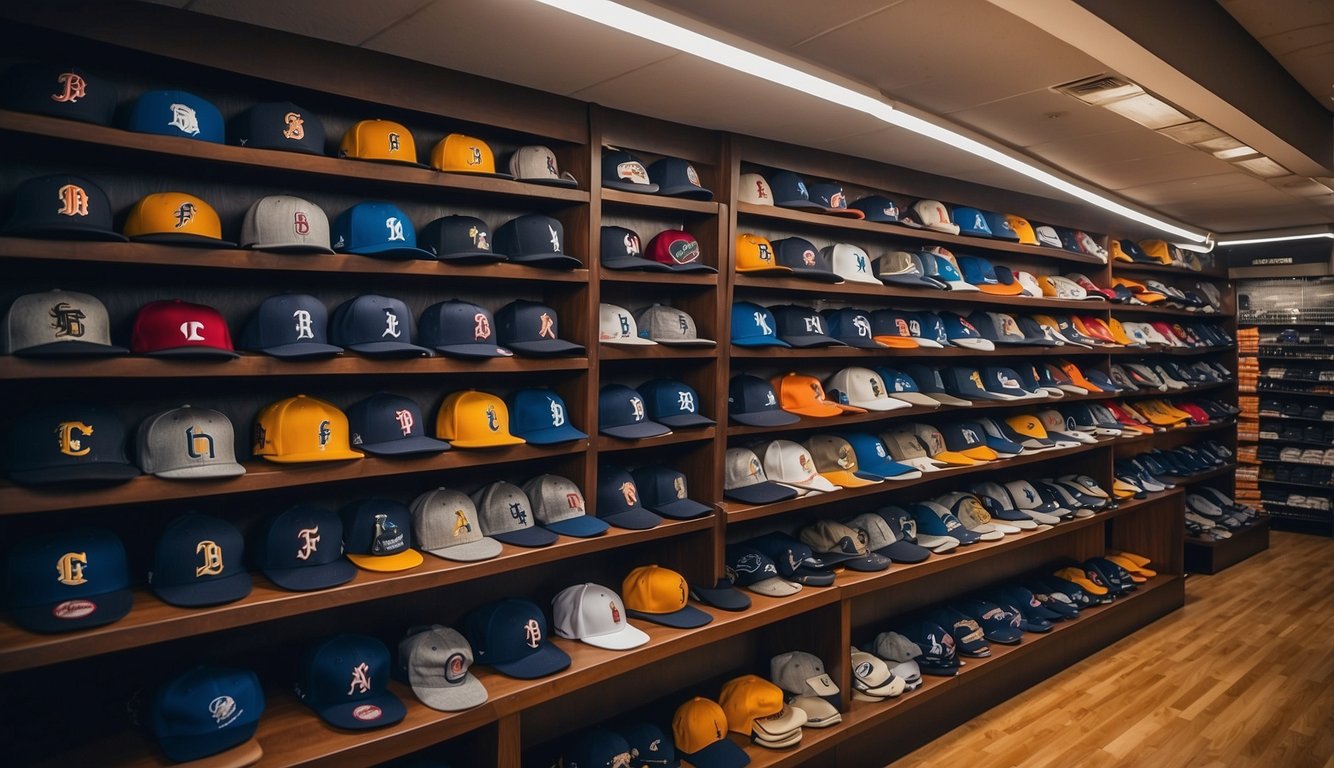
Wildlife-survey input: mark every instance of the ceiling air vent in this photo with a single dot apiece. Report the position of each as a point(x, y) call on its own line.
point(1100, 89)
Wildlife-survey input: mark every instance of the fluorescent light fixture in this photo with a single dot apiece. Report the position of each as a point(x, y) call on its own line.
point(1149, 111)
point(1277, 239)
point(688, 41)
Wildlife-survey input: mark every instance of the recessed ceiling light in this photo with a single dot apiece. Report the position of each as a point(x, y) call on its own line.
point(1235, 152)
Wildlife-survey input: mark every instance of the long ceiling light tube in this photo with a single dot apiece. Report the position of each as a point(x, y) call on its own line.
point(1277, 239)
point(688, 41)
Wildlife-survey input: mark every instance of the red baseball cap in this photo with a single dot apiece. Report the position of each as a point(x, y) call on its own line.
point(177, 329)
point(678, 250)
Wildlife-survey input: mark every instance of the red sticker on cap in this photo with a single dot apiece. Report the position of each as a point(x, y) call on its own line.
point(74, 609)
point(367, 712)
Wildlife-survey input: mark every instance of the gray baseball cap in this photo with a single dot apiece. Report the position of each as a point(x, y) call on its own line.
point(905, 448)
point(801, 673)
point(558, 505)
point(287, 224)
point(434, 660)
point(671, 326)
point(507, 515)
point(445, 524)
point(903, 268)
point(187, 444)
point(891, 646)
point(55, 324)
point(744, 479)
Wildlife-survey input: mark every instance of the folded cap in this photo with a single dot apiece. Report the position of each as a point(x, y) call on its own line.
point(380, 141)
point(180, 329)
point(91, 584)
point(898, 330)
point(199, 560)
point(902, 386)
point(931, 214)
point(789, 191)
point(805, 396)
point(208, 714)
point(830, 197)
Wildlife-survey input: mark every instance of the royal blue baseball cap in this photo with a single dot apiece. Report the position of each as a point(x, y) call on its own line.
point(664, 490)
point(622, 413)
point(1000, 226)
point(207, 710)
point(379, 229)
point(802, 327)
point(977, 271)
point(753, 402)
point(852, 327)
point(970, 221)
point(89, 446)
point(386, 424)
point(345, 679)
point(536, 240)
point(872, 457)
point(539, 415)
point(174, 113)
point(618, 500)
point(511, 635)
point(804, 259)
point(754, 326)
point(279, 125)
point(199, 560)
point(677, 178)
point(91, 584)
point(379, 326)
point(460, 329)
point(70, 93)
point(532, 328)
point(301, 549)
point(673, 402)
point(790, 191)
point(292, 326)
point(878, 208)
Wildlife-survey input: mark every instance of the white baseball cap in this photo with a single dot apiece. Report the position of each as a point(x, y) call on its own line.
point(863, 388)
point(850, 263)
point(593, 614)
point(753, 189)
point(537, 165)
point(617, 326)
point(789, 463)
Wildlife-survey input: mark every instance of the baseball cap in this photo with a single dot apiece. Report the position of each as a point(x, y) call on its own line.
point(173, 113)
point(967, 439)
point(970, 221)
point(597, 747)
point(279, 125)
point(207, 711)
point(532, 328)
point(753, 401)
point(457, 153)
point(880, 539)
point(677, 178)
point(999, 226)
point(852, 327)
point(789, 191)
point(89, 446)
point(997, 327)
point(379, 229)
point(187, 443)
point(804, 260)
point(961, 333)
point(801, 327)
point(301, 549)
point(377, 535)
point(678, 250)
point(947, 272)
point(473, 419)
point(1000, 625)
point(460, 329)
point(836, 461)
point(903, 387)
point(621, 248)
point(744, 479)
point(794, 559)
point(932, 382)
point(199, 560)
point(534, 239)
point(966, 382)
point(663, 490)
point(505, 513)
point(558, 505)
point(891, 328)
point(595, 615)
point(850, 263)
point(459, 239)
point(539, 416)
point(84, 211)
point(390, 425)
point(1000, 380)
point(931, 214)
point(755, 255)
point(873, 457)
point(618, 501)
point(174, 218)
point(322, 683)
point(56, 324)
point(537, 165)
point(830, 198)
point(750, 568)
point(904, 447)
point(669, 325)
point(445, 524)
point(291, 326)
point(660, 595)
point(65, 92)
point(750, 700)
point(435, 660)
point(622, 170)
point(91, 585)
point(903, 268)
point(938, 448)
point(935, 519)
point(622, 413)
point(754, 326)
point(617, 326)
point(803, 395)
point(928, 330)
point(300, 429)
point(699, 730)
point(837, 544)
point(285, 224)
point(180, 329)
point(381, 141)
point(789, 463)
point(877, 208)
point(863, 388)
point(511, 635)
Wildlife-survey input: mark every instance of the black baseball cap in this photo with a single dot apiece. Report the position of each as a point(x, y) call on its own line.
point(622, 170)
point(279, 125)
point(622, 249)
point(67, 92)
point(379, 326)
point(301, 549)
point(460, 239)
point(664, 490)
point(460, 329)
point(677, 178)
point(61, 206)
point(536, 240)
point(67, 443)
point(752, 401)
point(291, 326)
point(802, 327)
point(531, 328)
point(199, 560)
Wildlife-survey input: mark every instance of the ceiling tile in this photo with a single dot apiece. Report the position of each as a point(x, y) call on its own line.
point(1026, 119)
point(1187, 164)
point(343, 21)
point(757, 21)
point(1113, 146)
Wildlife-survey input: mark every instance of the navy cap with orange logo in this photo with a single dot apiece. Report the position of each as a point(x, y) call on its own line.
point(279, 125)
point(199, 560)
point(618, 500)
point(63, 206)
point(68, 443)
point(68, 92)
point(532, 328)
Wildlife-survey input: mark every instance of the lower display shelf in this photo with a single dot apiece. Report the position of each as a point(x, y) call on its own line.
point(1199, 477)
point(865, 716)
point(1208, 556)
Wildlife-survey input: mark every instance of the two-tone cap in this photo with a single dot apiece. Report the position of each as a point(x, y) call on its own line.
point(873, 457)
point(904, 268)
point(882, 538)
point(754, 326)
point(677, 250)
point(88, 446)
point(836, 461)
point(699, 731)
point(291, 326)
point(345, 679)
point(301, 549)
point(617, 326)
point(377, 535)
point(175, 218)
point(199, 560)
point(539, 415)
point(750, 568)
point(57, 324)
point(594, 614)
point(623, 171)
point(61, 206)
point(506, 515)
point(435, 661)
point(445, 524)
point(511, 635)
point(378, 229)
point(863, 388)
point(837, 544)
point(174, 113)
point(71, 93)
point(661, 595)
point(301, 429)
point(532, 328)
point(459, 239)
point(460, 329)
point(753, 401)
point(618, 501)
point(559, 506)
point(187, 443)
point(744, 479)
point(386, 424)
point(537, 165)
point(279, 125)
point(902, 386)
point(379, 326)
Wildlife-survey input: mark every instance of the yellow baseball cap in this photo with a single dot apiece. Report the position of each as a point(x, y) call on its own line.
point(1022, 228)
point(661, 595)
point(1114, 250)
point(457, 153)
point(1079, 577)
point(300, 429)
point(749, 698)
point(1157, 250)
point(699, 729)
point(1118, 332)
point(379, 140)
point(174, 217)
point(756, 254)
point(472, 419)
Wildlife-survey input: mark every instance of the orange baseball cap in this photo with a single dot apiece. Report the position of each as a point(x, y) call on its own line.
point(457, 153)
point(1077, 376)
point(661, 595)
point(755, 254)
point(1119, 333)
point(1078, 576)
point(1156, 250)
point(804, 395)
point(699, 729)
point(299, 429)
point(1022, 228)
point(1140, 290)
point(749, 698)
point(1114, 249)
point(379, 140)
point(174, 217)
point(472, 419)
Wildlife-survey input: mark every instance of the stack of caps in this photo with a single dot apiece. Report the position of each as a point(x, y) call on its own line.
point(873, 679)
point(802, 676)
point(754, 707)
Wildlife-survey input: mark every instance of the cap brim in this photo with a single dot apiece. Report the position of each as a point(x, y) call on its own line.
point(817, 275)
point(766, 492)
point(868, 563)
point(722, 595)
point(314, 577)
point(696, 342)
point(203, 471)
point(484, 548)
point(960, 285)
point(451, 698)
point(544, 347)
point(551, 435)
point(956, 458)
point(546, 660)
point(74, 348)
point(289, 247)
point(387, 251)
point(633, 263)
point(805, 205)
point(630, 186)
point(937, 544)
point(634, 519)
point(534, 536)
point(107, 607)
point(70, 231)
point(630, 341)
point(302, 458)
point(918, 398)
point(774, 270)
point(688, 617)
point(985, 345)
point(905, 552)
point(389, 349)
point(1001, 289)
point(723, 753)
point(774, 587)
point(579, 526)
point(927, 343)
point(909, 279)
point(681, 509)
point(546, 260)
point(965, 536)
point(196, 352)
point(497, 440)
point(473, 351)
point(637, 431)
point(211, 592)
point(846, 479)
point(694, 266)
point(760, 341)
point(408, 445)
point(402, 561)
point(180, 239)
point(882, 404)
point(817, 410)
point(561, 181)
point(623, 639)
point(306, 351)
point(95, 472)
point(765, 418)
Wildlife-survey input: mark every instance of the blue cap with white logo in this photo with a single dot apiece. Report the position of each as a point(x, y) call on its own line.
point(461, 329)
point(622, 413)
point(754, 326)
point(386, 424)
point(292, 326)
point(852, 327)
point(932, 329)
point(872, 457)
point(971, 222)
point(378, 326)
point(790, 191)
point(199, 560)
point(673, 402)
point(301, 549)
point(539, 416)
point(91, 585)
point(377, 229)
point(174, 113)
point(207, 710)
point(345, 679)
point(511, 635)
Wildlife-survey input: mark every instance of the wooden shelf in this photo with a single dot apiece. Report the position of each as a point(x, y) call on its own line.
point(263, 475)
point(617, 353)
point(738, 513)
point(905, 295)
point(1191, 430)
point(1162, 269)
point(1160, 350)
point(1208, 556)
point(1202, 476)
point(263, 366)
point(608, 444)
point(752, 212)
point(841, 353)
point(153, 621)
point(616, 198)
point(664, 279)
point(276, 162)
point(1176, 392)
point(1151, 309)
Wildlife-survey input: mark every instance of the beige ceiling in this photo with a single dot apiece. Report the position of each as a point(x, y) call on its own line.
point(1299, 34)
point(968, 61)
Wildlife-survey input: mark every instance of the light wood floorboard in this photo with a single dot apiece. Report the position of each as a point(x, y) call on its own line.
point(1242, 676)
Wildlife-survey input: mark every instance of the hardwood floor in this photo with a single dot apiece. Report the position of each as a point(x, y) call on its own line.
point(1243, 675)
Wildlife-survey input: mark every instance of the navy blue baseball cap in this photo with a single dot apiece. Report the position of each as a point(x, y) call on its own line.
point(877, 208)
point(1033, 333)
point(379, 326)
point(622, 170)
point(754, 326)
point(852, 327)
point(831, 199)
point(345, 679)
point(536, 240)
point(618, 500)
point(279, 125)
point(970, 221)
point(965, 382)
point(793, 558)
point(998, 442)
point(723, 594)
point(936, 520)
point(301, 549)
point(511, 635)
point(1004, 383)
point(649, 746)
point(91, 585)
point(621, 248)
point(677, 178)
point(386, 424)
point(939, 655)
point(968, 636)
point(378, 229)
point(932, 329)
point(960, 332)
point(292, 326)
point(596, 747)
point(804, 259)
point(999, 624)
point(89, 446)
point(905, 548)
point(539, 415)
point(66, 92)
point(1000, 226)
point(460, 329)
point(673, 402)
point(199, 560)
point(872, 457)
point(459, 239)
point(532, 328)
point(802, 327)
point(174, 113)
point(753, 402)
point(207, 710)
point(663, 490)
point(622, 413)
point(790, 191)
point(377, 535)
point(83, 212)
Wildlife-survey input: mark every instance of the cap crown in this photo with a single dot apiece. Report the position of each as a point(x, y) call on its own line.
point(174, 113)
point(379, 140)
